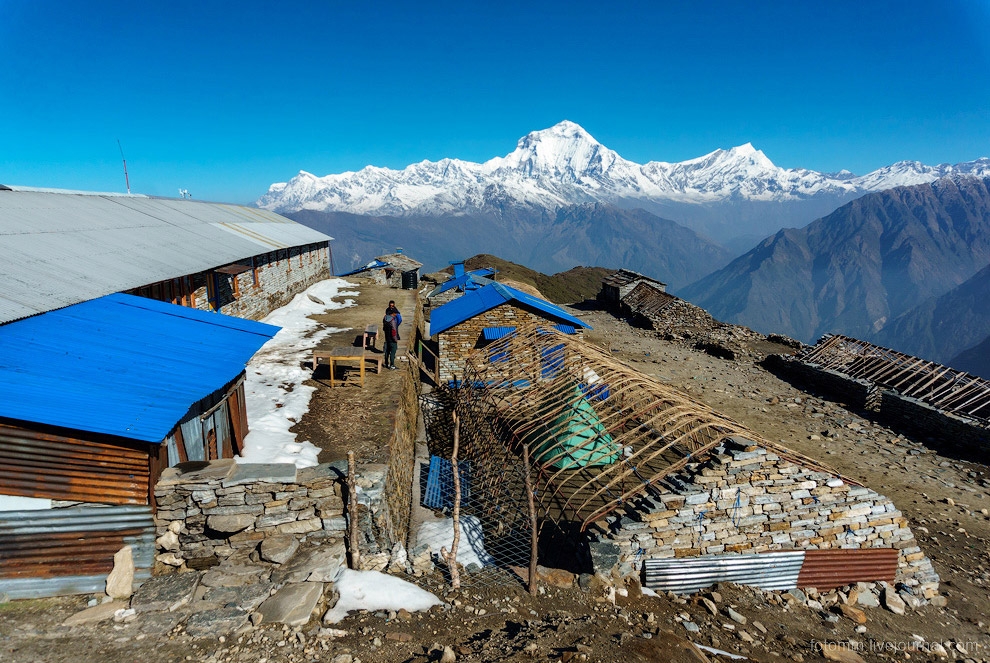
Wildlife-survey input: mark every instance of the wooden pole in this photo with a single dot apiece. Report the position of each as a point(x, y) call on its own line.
point(451, 557)
point(352, 512)
point(533, 531)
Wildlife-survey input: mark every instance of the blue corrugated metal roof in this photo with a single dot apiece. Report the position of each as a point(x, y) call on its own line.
point(120, 364)
point(484, 299)
point(465, 280)
point(374, 264)
point(494, 333)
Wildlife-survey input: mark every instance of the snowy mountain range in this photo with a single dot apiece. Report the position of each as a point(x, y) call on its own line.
point(726, 194)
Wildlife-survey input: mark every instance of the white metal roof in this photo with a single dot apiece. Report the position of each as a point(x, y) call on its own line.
point(59, 248)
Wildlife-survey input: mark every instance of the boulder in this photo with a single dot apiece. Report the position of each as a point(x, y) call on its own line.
point(316, 564)
point(293, 604)
point(165, 592)
point(97, 613)
point(892, 601)
point(279, 549)
point(120, 582)
point(211, 623)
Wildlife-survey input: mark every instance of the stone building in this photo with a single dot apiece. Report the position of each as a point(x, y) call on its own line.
point(62, 248)
point(396, 270)
point(744, 498)
point(627, 470)
point(619, 284)
point(484, 315)
point(101, 390)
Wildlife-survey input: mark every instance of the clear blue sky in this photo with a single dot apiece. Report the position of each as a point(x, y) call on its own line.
point(225, 98)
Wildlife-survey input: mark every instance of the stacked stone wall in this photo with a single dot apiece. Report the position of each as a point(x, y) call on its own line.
point(460, 340)
point(207, 514)
point(745, 499)
point(901, 412)
point(850, 391)
point(281, 275)
point(920, 417)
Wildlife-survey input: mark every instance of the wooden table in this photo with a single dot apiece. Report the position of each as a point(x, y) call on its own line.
point(344, 353)
point(371, 331)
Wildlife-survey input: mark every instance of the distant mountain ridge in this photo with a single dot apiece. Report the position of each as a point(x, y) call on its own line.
point(941, 328)
point(589, 234)
point(726, 194)
point(857, 269)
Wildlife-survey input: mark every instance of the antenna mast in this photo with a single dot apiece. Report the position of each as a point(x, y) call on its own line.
point(127, 181)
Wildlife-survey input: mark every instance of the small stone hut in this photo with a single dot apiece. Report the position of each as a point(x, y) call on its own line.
point(481, 316)
point(619, 284)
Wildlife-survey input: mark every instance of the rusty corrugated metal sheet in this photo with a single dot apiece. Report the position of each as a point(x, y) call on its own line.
point(825, 569)
point(34, 464)
point(775, 570)
point(821, 569)
point(70, 551)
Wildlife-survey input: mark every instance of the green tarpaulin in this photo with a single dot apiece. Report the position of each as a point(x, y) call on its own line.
point(575, 438)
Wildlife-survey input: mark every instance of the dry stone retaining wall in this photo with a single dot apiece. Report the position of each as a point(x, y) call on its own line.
point(207, 514)
point(748, 499)
point(900, 411)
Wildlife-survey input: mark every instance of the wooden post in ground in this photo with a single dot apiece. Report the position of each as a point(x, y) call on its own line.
point(451, 557)
point(352, 512)
point(533, 530)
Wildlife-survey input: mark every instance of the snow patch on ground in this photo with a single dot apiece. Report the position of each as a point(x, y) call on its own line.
point(274, 390)
point(471, 546)
point(371, 590)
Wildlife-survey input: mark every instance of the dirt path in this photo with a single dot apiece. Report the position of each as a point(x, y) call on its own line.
point(348, 417)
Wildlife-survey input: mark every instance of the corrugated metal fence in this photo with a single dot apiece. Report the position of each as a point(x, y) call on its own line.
point(822, 569)
point(70, 551)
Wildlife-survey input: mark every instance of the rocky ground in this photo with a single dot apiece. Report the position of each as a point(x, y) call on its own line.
point(944, 497)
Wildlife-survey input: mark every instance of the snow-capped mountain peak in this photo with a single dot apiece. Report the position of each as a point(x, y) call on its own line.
point(565, 151)
point(564, 165)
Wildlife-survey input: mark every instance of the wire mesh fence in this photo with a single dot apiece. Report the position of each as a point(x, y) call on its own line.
point(494, 519)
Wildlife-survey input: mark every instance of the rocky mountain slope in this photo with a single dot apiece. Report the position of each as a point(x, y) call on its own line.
point(942, 327)
point(975, 360)
point(587, 234)
point(730, 195)
point(858, 268)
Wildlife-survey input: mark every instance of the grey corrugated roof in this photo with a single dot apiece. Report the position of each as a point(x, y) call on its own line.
point(400, 261)
point(58, 249)
point(624, 276)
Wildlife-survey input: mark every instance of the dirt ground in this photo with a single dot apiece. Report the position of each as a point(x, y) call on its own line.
point(346, 417)
point(941, 495)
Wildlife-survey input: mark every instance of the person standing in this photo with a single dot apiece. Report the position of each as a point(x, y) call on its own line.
point(395, 311)
point(390, 328)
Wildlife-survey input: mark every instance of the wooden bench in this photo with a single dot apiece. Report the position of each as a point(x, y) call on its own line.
point(345, 353)
point(371, 331)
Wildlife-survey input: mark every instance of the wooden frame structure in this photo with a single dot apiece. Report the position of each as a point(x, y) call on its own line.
point(599, 434)
point(941, 387)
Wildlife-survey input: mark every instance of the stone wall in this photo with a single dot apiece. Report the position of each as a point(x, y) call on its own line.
point(208, 512)
point(852, 392)
point(272, 281)
point(744, 498)
point(281, 275)
point(901, 412)
point(458, 341)
point(919, 417)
